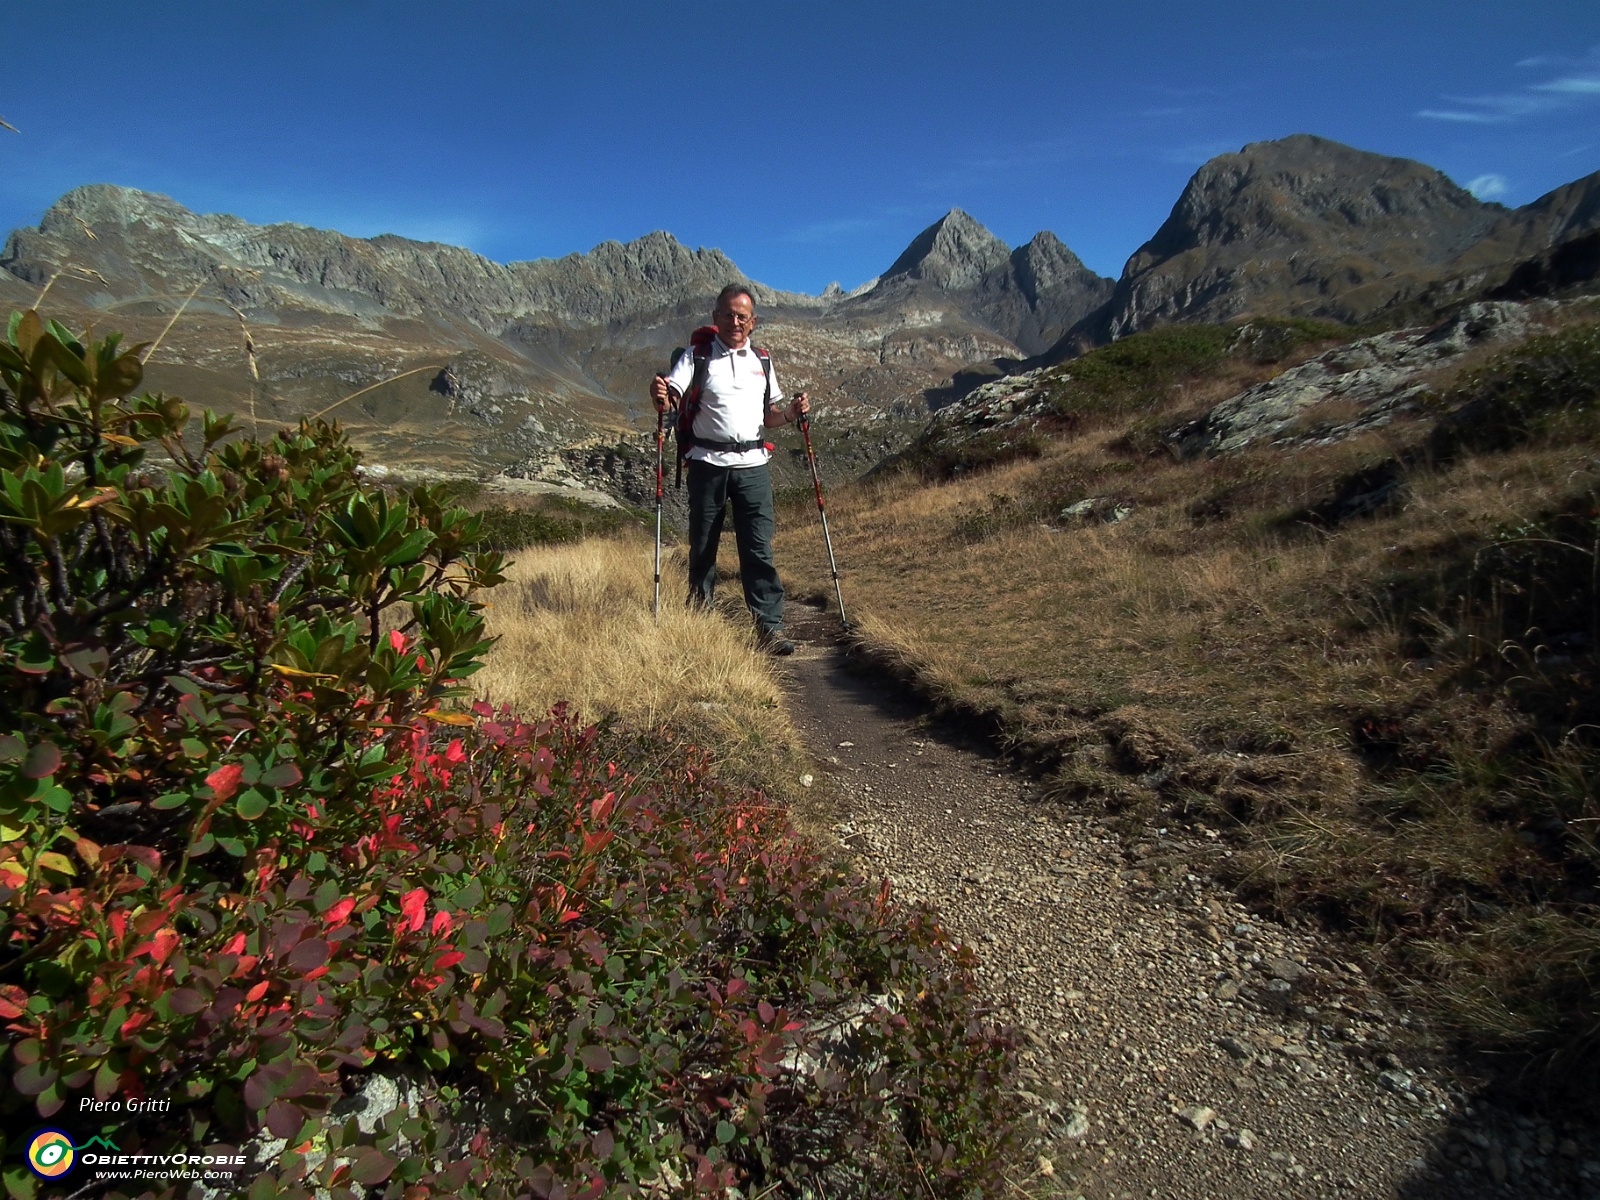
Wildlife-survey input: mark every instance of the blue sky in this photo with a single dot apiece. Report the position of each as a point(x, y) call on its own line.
point(810, 141)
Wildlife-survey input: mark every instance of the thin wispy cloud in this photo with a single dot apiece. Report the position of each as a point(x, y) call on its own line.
point(1578, 85)
point(1581, 85)
point(1488, 187)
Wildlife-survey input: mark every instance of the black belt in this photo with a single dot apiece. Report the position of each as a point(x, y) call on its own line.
point(727, 447)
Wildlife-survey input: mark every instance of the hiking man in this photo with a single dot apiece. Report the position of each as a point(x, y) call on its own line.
point(738, 397)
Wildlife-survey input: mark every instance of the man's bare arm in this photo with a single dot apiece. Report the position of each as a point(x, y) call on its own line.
point(782, 416)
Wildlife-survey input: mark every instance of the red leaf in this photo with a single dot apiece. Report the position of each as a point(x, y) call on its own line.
point(337, 914)
point(447, 960)
point(13, 1001)
point(372, 1167)
point(284, 1119)
point(413, 907)
point(165, 943)
point(186, 1002)
point(308, 955)
point(596, 1058)
point(765, 1012)
point(43, 759)
point(224, 781)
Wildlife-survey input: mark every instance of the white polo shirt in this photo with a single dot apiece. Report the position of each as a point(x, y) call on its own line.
point(732, 404)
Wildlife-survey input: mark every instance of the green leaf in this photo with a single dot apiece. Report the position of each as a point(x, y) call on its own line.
point(88, 661)
point(21, 1183)
point(170, 800)
point(327, 895)
point(726, 1132)
point(251, 805)
point(499, 920)
point(53, 797)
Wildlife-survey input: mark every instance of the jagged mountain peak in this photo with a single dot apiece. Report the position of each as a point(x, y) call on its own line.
point(1044, 262)
point(954, 252)
point(111, 200)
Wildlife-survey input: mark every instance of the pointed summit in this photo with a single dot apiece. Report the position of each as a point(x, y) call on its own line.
point(954, 252)
point(1044, 265)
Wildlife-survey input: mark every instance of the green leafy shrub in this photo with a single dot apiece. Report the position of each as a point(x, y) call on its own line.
point(1522, 393)
point(1136, 374)
point(250, 856)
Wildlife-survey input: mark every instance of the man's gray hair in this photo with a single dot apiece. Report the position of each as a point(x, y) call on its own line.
point(732, 290)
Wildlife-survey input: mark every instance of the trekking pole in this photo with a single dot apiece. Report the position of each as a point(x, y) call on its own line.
point(816, 482)
point(660, 436)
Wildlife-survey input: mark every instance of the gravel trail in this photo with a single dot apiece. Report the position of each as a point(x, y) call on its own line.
point(1173, 1043)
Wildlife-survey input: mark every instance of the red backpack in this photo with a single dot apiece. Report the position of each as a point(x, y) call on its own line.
point(689, 406)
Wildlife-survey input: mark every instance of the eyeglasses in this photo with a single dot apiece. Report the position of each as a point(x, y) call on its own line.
point(736, 318)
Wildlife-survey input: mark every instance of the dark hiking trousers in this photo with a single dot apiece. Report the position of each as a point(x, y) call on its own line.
point(750, 489)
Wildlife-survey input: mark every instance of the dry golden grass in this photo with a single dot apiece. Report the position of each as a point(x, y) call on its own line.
point(574, 623)
point(1238, 657)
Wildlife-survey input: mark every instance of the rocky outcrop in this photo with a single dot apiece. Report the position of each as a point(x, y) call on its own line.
point(1360, 386)
point(1301, 226)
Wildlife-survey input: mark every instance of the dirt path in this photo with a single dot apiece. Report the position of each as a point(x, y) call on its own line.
point(1175, 1045)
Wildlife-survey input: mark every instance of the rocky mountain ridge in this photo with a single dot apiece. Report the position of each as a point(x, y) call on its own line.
point(536, 355)
point(553, 353)
point(1307, 227)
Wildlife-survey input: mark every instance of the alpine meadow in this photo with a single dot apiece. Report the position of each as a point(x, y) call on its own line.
point(1203, 797)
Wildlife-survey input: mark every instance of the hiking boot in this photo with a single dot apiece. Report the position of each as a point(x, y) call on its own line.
point(774, 642)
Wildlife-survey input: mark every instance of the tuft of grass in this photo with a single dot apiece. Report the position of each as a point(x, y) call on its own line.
point(574, 624)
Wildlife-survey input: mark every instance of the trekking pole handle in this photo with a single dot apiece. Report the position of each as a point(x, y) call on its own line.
point(811, 459)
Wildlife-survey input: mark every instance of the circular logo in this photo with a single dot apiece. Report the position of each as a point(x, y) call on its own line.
point(51, 1154)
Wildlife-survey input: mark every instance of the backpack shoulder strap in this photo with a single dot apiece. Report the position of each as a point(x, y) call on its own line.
point(689, 402)
point(766, 369)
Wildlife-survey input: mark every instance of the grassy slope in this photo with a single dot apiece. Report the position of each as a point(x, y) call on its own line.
point(1383, 718)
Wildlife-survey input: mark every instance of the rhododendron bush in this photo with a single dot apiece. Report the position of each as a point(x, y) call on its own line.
point(255, 854)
